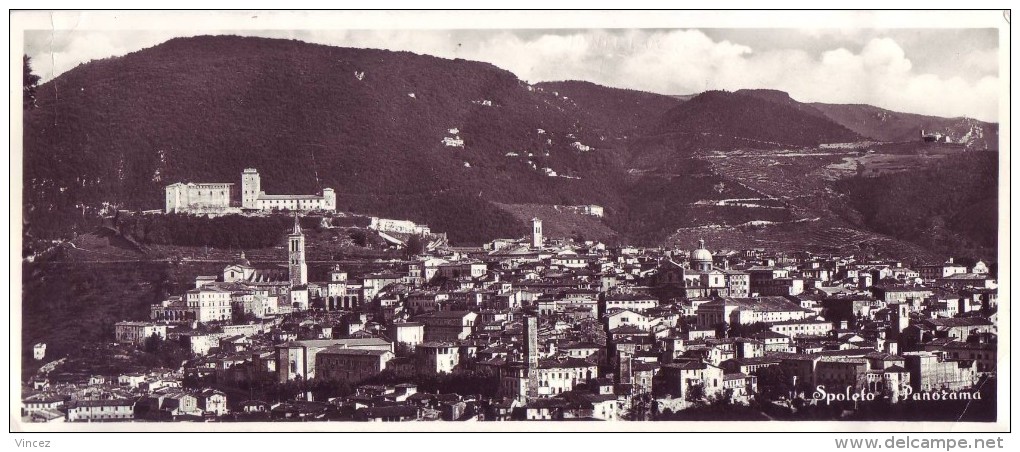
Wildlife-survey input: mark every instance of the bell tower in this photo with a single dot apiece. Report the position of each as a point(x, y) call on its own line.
point(536, 233)
point(296, 256)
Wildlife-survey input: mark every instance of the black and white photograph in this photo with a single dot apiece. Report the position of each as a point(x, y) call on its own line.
point(484, 221)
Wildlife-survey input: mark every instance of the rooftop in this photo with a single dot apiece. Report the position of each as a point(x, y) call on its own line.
point(567, 363)
point(323, 343)
point(757, 304)
point(343, 350)
point(287, 197)
point(958, 322)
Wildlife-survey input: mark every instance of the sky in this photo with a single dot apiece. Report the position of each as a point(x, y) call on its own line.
point(934, 71)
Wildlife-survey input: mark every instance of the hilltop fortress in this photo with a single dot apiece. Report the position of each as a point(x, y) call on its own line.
point(217, 197)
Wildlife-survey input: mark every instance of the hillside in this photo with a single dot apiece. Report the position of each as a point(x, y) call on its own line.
point(448, 143)
point(769, 120)
point(950, 206)
point(560, 221)
point(369, 123)
point(783, 98)
point(365, 122)
point(886, 125)
point(622, 112)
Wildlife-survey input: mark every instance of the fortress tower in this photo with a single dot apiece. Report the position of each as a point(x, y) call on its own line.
point(251, 185)
point(328, 199)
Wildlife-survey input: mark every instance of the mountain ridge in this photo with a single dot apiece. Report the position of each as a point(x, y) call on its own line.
point(377, 126)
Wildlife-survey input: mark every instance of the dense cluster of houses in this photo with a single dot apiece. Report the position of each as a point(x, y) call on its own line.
point(556, 329)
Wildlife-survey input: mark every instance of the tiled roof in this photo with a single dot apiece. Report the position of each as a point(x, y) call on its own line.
point(567, 363)
point(343, 350)
point(958, 322)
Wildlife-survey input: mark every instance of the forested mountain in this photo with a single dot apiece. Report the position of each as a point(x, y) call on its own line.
point(619, 111)
point(950, 207)
point(768, 119)
point(368, 123)
point(399, 135)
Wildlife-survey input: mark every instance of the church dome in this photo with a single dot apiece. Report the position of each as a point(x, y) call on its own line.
point(701, 254)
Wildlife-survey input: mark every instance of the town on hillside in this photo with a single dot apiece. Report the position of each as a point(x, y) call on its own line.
point(540, 328)
point(630, 222)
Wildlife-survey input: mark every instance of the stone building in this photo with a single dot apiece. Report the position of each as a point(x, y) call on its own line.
point(351, 365)
point(253, 198)
point(217, 197)
point(137, 332)
point(932, 372)
point(198, 197)
point(296, 359)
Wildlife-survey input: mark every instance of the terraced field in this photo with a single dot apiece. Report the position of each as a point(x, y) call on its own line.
point(800, 182)
point(812, 235)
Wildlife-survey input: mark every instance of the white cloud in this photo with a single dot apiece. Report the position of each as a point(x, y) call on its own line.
point(880, 74)
point(877, 71)
point(688, 61)
point(56, 52)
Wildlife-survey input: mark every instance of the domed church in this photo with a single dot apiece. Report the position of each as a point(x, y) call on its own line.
point(701, 258)
point(700, 278)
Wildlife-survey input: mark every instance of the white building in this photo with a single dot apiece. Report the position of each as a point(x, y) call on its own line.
point(39, 351)
point(252, 196)
point(440, 357)
point(630, 301)
point(556, 376)
point(594, 210)
point(408, 333)
point(745, 311)
point(627, 317)
point(216, 197)
point(137, 332)
point(209, 304)
point(401, 226)
point(101, 410)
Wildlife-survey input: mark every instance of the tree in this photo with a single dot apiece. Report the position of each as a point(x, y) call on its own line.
point(641, 408)
point(414, 246)
point(152, 343)
point(167, 353)
point(721, 329)
point(31, 81)
point(695, 393)
point(773, 383)
point(359, 237)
